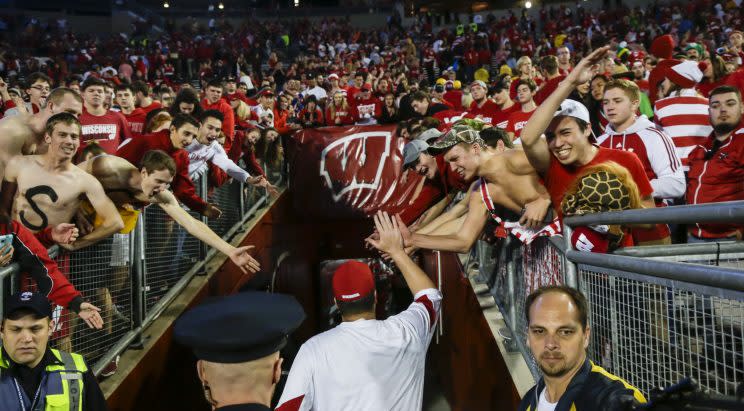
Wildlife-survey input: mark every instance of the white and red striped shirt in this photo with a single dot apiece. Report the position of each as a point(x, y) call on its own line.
point(684, 118)
point(656, 152)
point(366, 365)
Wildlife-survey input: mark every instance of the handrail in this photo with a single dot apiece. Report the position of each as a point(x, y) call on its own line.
point(711, 276)
point(724, 212)
point(718, 248)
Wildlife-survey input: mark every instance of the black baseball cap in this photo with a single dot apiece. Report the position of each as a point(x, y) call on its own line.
point(35, 302)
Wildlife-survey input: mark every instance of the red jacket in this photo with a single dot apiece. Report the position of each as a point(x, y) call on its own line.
point(228, 123)
point(720, 178)
point(344, 116)
point(135, 148)
point(35, 263)
point(371, 106)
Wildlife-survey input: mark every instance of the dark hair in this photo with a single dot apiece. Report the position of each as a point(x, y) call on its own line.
point(214, 83)
point(492, 135)
point(181, 119)
point(213, 114)
point(420, 96)
point(64, 118)
point(34, 77)
point(576, 296)
point(269, 151)
point(124, 87)
point(527, 82)
point(140, 86)
point(156, 160)
point(583, 125)
point(92, 81)
point(724, 90)
point(92, 147)
point(188, 96)
point(549, 64)
point(360, 306)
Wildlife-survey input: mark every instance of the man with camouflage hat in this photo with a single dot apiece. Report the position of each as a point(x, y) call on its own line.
point(506, 179)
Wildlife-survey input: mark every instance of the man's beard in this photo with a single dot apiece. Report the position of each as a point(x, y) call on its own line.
point(555, 372)
point(726, 128)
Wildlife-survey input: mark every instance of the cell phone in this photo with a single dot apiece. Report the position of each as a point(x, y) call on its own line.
point(6, 239)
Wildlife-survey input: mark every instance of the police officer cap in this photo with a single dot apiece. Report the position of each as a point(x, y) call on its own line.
point(239, 328)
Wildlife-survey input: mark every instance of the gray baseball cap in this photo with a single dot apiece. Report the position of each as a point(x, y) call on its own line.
point(411, 152)
point(429, 134)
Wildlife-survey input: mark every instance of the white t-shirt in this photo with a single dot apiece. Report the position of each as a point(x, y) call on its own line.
point(199, 154)
point(365, 365)
point(543, 404)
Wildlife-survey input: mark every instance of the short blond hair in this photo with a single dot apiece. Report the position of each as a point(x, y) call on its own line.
point(523, 60)
point(628, 87)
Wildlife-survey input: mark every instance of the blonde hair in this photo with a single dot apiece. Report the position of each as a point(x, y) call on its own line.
point(628, 87)
point(242, 111)
point(523, 60)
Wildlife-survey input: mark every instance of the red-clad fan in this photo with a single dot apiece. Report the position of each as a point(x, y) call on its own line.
point(549, 68)
point(338, 112)
point(214, 101)
point(525, 98)
point(564, 60)
point(717, 166)
point(365, 108)
point(453, 94)
point(105, 127)
point(680, 111)
point(482, 107)
point(182, 131)
point(505, 103)
point(142, 96)
point(437, 96)
point(135, 116)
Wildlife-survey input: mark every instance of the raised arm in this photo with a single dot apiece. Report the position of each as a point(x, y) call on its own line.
point(241, 258)
point(391, 242)
point(536, 147)
point(459, 210)
point(106, 209)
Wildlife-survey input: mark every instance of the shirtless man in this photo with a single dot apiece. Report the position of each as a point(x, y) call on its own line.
point(50, 188)
point(510, 180)
point(24, 133)
point(133, 189)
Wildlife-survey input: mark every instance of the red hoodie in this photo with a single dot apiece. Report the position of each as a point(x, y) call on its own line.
point(135, 148)
point(371, 106)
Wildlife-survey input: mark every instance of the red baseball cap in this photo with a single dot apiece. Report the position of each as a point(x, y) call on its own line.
point(352, 281)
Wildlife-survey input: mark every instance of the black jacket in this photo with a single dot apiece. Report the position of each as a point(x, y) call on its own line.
point(591, 389)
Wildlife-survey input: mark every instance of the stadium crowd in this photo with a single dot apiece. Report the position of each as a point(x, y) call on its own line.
point(518, 119)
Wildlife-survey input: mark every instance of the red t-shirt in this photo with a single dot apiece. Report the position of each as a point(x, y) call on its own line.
point(136, 121)
point(153, 106)
point(109, 130)
point(559, 177)
point(547, 89)
point(489, 111)
point(517, 120)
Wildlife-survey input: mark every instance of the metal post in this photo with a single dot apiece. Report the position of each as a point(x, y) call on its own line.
point(203, 248)
point(242, 199)
point(572, 275)
point(139, 290)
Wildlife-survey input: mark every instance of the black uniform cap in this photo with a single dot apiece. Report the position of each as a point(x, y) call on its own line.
point(239, 328)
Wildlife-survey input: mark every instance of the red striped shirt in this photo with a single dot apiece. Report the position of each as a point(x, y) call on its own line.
point(684, 119)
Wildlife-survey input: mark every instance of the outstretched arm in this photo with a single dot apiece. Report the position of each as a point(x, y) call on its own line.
point(536, 147)
point(391, 243)
point(459, 242)
point(239, 255)
point(112, 222)
point(459, 210)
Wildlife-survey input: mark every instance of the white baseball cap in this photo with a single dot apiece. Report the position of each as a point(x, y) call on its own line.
point(572, 108)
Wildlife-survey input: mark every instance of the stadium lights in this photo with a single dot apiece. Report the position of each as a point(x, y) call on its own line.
point(165, 4)
point(528, 4)
point(221, 6)
point(297, 3)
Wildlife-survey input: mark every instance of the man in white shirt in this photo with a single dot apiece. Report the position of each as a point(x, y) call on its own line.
point(206, 148)
point(366, 364)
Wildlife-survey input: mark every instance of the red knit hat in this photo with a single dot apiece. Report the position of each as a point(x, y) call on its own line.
point(662, 46)
point(687, 73)
point(352, 281)
point(657, 75)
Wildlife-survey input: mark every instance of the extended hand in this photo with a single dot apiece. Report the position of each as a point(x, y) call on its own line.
point(6, 255)
point(84, 225)
point(91, 315)
point(243, 260)
point(65, 233)
point(583, 71)
point(212, 212)
point(534, 213)
point(390, 239)
point(405, 232)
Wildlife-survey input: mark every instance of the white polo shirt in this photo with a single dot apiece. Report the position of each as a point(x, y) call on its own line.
point(366, 365)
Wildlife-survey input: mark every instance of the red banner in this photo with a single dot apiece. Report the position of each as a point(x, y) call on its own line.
point(342, 172)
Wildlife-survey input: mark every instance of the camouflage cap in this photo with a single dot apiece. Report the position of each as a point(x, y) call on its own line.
point(458, 134)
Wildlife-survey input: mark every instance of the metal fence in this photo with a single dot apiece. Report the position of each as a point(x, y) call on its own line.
point(657, 313)
point(133, 277)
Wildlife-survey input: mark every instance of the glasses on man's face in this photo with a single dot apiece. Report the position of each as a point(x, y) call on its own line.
point(41, 88)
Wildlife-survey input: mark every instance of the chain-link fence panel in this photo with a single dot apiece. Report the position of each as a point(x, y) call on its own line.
point(653, 335)
point(227, 199)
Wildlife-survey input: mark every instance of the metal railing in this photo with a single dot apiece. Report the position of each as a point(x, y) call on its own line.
point(657, 313)
point(133, 277)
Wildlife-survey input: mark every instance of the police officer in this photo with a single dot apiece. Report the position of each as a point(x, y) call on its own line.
point(34, 376)
point(237, 341)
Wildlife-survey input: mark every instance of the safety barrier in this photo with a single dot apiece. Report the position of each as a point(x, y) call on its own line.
point(657, 313)
point(133, 277)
